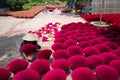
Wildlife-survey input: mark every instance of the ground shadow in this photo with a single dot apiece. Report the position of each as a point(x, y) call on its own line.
point(9, 46)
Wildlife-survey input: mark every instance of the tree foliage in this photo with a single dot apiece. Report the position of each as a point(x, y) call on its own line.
point(16, 4)
point(27, 4)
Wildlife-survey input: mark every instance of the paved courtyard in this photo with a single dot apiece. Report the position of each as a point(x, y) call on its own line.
point(13, 29)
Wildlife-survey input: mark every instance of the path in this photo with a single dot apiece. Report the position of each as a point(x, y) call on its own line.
point(13, 29)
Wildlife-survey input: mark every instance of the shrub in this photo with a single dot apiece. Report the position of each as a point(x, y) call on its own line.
point(27, 6)
point(31, 4)
point(16, 4)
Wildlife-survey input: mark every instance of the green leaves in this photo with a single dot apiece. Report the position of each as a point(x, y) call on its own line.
point(27, 4)
point(16, 4)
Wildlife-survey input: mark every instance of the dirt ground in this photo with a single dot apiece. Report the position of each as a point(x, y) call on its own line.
point(13, 29)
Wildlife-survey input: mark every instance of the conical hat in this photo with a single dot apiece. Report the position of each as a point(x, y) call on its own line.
point(30, 37)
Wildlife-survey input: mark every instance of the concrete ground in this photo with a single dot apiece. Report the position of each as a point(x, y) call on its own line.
point(13, 29)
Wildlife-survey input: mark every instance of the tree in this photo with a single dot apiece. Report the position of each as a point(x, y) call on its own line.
point(16, 4)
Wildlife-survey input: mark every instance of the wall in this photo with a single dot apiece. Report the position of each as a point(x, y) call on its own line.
point(110, 6)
